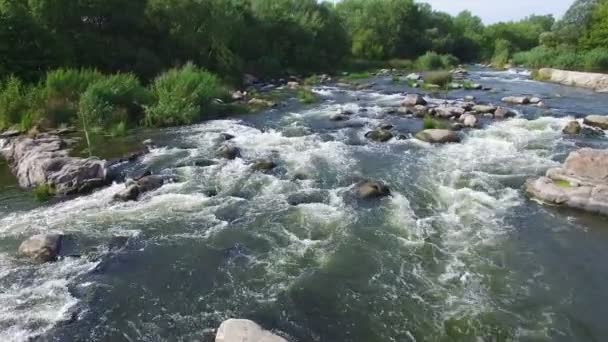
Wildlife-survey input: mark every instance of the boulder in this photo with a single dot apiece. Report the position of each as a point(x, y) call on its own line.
point(413, 77)
point(468, 120)
point(338, 117)
point(482, 109)
point(582, 182)
point(413, 100)
point(307, 197)
point(228, 152)
point(226, 136)
point(420, 110)
point(242, 330)
point(599, 121)
point(469, 98)
point(503, 113)
point(404, 110)
point(9, 134)
point(238, 95)
point(45, 160)
point(134, 189)
point(256, 102)
point(573, 127)
point(371, 189)
point(521, 100)
point(595, 81)
point(263, 165)
point(447, 112)
point(379, 135)
point(438, 136)
point(293, 85)
point(535, 100)
point(41, 248)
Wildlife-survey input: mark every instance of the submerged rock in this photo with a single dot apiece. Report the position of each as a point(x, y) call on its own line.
point(41, 248)
point(599, 121)
point(503, 113)
point(307, 197)
point(228, 152)
point(582, 183)
point(226, 136)
point(371, 189)
point(263, 165)
point(44, 160)
point(379, 135)
point(134, 189)
point(573, 127)
point(242, 330)
point(413, 100)
point(522, 100)
point(438, 136)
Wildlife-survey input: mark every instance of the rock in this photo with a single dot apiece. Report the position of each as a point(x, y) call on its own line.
point(474, 86)
point(521, 100)
point(413, 77)
point(226, 136)
point(249, 80)
point(482, 109)
point(44, 160)
point(582, 182)
point(420, 110)
point(469, 98)
point(413, 100)
point(599, 121)
point(148, 143)
point(438, 136)
point(402, 137)
point(595, 81)
point(404, 110)
point(540, 104)
point(447, 112)
point(242, 330)
point(379, 135)
point(41, 248)
point(535, 100)
point(261, 103)
point(503, 113)
point(228, 152)
point(386, 127)
point(338, 117)
point(371, 189)
point(573, 127)
point(9, 134)
point(312, 196)
point(238, 95)
point(263, 165)
point(468, 120)
point(134, 189)
point(293, 85)
point(454, 86)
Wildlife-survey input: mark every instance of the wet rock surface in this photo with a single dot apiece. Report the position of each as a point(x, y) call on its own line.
point(241, 330)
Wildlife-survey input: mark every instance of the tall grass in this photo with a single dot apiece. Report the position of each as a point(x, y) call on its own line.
point(182, 96)
point(564, 58)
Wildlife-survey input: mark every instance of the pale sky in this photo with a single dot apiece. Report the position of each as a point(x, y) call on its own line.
point(492, 11)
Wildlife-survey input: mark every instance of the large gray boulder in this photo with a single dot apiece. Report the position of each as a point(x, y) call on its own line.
point(45, 160)
point(438, 136)
point(468, 120)
point(599, 121)
point(243, 330)
point(41, 248)
point(582, 182)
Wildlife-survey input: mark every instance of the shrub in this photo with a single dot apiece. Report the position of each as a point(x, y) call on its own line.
point(402, 64)
point(13, 102)
point(119, 130)
point(70, 83)
point(440, 78)
point(430, 123)
point(182, 95)
point(502, 52)
point(449, 61)
point(306, 96)
point(113, 99)
point(434, 61)
point(568, 60)
point(596, 60)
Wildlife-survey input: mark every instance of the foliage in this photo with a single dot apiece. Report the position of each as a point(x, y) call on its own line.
point(434, 61)
point(119, 130)
point(440, 78)
point(596, 60)
point(181, 96)
point(306, 96)
point(597, 32)
point(112, 99)
point(43, 193)
point(429, 123)
point(13, 101)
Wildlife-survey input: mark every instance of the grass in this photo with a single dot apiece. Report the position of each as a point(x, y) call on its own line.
point(430, 123)
point(119, 130)
point(440, 78)
point(562, 183)
point(434, 61)
point(358, 76)
point(43, 193)
point(306, 96)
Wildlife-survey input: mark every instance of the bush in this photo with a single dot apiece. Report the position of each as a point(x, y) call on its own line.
point(113, 99)
point(70, 83)
point(13, 102)
point(43, 193)
point(596, 60)
point(430, 123)
point(440, 78)
point(434, 61)
point(119, 130)
point(306, 96)
point(401, 64)
point(568, 60)
point(182, 95)
point(502, 52)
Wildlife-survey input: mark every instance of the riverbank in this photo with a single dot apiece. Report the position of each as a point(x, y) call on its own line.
point(588, 80)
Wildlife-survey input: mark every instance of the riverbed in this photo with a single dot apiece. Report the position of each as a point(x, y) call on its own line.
point(456, 253)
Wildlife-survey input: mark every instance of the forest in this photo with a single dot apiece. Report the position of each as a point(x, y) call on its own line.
point(115, 64)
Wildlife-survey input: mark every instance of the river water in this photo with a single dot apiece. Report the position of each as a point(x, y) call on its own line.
point(457, 253)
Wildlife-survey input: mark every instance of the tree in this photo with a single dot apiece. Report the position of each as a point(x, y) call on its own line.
point(597, 32)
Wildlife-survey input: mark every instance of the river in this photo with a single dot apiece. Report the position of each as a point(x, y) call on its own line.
point(457, 253)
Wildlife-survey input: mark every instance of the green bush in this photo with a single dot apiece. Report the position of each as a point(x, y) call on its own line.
point(401, 64)
point(430, 123)
point(440, 78)
point(596, 60)
point(14, 102)
point(182, 95)
point(70, 83)
point(113, 99)
point(434, 61)
point(119, 130)
point(306, 96)
point(568, 60)
point(502, 52)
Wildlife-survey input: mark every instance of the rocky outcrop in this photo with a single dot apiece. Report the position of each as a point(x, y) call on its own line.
point(438, 136)
point(595, 81)
point(242, 330)
point(582, 182)
point(599, 121)
point(136, 188)
point(371, 189)
point(45, 160)
point(41, 248)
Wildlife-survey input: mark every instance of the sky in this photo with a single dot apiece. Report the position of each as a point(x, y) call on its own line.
point(492, 11)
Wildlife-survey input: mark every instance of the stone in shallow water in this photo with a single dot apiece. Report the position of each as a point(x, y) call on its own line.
point(503, 113)
point(413, 100)
point(136, 188)
point(379, 135)
point(41, 248)
point(371, 189)
point(599, 121)
point(243, 330)
point(516, 99)
point(438, 136)
point(573, 127)
point(228, 152)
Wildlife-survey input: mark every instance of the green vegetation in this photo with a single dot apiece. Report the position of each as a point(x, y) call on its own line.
point(439, 78)
point(306, 96)
point(434, 61)
point(429, 123)
point(43, 193)
point(562, 183)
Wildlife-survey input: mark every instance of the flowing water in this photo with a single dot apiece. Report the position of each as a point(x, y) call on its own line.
point(457, 253)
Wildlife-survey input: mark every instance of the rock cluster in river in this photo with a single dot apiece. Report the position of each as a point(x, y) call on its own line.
point(581, 183)
point(242, 330)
